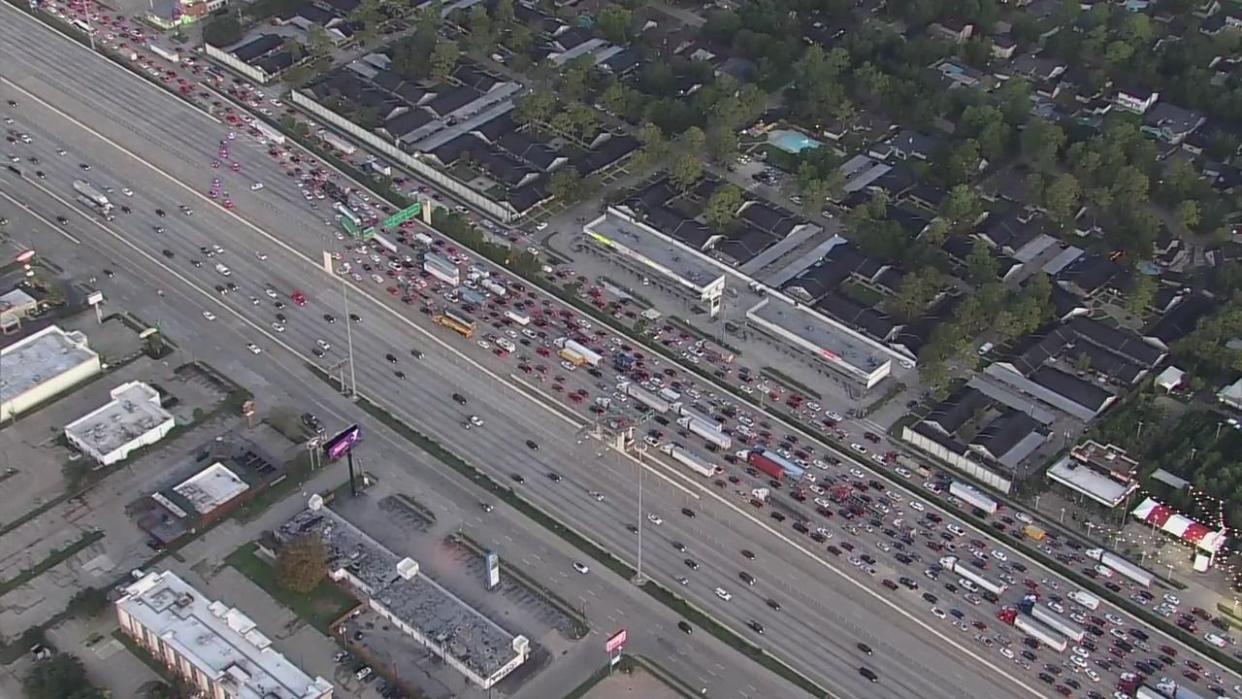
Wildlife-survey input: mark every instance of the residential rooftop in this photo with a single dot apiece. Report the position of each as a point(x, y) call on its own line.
point(418, 601)
point(133, 411)
point(41, 357)
point(221, 641)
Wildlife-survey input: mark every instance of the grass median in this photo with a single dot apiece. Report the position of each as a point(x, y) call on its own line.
point(319, 607)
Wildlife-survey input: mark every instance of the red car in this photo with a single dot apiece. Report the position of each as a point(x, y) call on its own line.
point(298, 297)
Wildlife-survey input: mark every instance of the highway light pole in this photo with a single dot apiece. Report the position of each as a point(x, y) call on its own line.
point(641, 452)
point(349, 341)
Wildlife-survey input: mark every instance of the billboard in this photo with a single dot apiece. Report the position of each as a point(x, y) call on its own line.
point(343, 443)
point(616, 642)
point(493, 570)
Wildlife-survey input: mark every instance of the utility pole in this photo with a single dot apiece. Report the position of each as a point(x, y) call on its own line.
point(349, 341)
point(641, 451)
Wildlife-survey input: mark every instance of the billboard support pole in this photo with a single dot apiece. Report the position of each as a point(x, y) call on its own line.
point(353, 487)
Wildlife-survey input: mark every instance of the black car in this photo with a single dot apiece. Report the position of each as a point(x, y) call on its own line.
point(84, 166)
point(685, 627)
point(1047, 679)
point(869, 674)
point(773, 604)
point(62, 220)
point(392, 359)
point(931, 599)
point(756, 627)
point(40, 174)
point(687, 512)
point(459, 399)
point(196, 263)
point(399, 374)
point(554, 476)
point(168, 253)
point(864, 648)
point(679, 546)
point(691, 564)
point(160, 213)
point(746, 578)
point(777, 516)
point(329, 318)
point(517, 477)
point(355, 317)
point(417, 354)
point(532, 444)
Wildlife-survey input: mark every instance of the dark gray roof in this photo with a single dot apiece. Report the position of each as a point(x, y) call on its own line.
point(344, 7)
point(1090, 273)
point(685, 230)
point(1124, 343)
point(744, 242)
point(448, 102)
point(867, 320)
point(1181, 320)
point(502, 167)
point(612, 150)
point(1072, 388)
point(273, 63)
point(470, 74)
point(771, 219)
point(453, 150)
point(315, 15)
point(527, 150)
point(1004, 433)
point(524, 198)
point(1010, 233)
point(403, 124)
point(267, 43)
point(951, 413)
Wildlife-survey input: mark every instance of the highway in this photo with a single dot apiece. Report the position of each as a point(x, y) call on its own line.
point(819, 624)
point(181, 143)
point(610, 602)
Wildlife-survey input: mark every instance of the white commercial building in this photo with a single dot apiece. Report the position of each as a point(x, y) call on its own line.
point(212, 646)
point(451, 630)
point(43, 366)
point(691, 273)
point(132, 420)
point(860, 359)
point(210, 488)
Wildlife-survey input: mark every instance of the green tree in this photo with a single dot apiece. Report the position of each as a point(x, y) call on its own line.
point(222, 31)
point(302, 563)
point(565, 184)
point(960, 163)
point(1142, 293)
point(981, 266)
point(482, 38)
point(1042, 141)
point(1189, 213)
point(614, 23)
point(59, 677)
point(936, 233)
point(687, 168)
point(961, 207)
point(722, 209)
point(918, 289)
point(503, 15)
point(656, 149)
point(320, 42)
point(444, 59)
point(536, 107)
point(1061, 199)
point(88, 602)
point(722, 144)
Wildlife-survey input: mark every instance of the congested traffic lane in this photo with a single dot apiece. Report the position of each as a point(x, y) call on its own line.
point(493, 448)
point(296, 202)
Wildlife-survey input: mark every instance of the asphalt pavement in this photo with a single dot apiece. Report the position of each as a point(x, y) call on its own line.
point(826, 609)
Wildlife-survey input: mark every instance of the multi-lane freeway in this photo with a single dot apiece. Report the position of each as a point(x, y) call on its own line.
point(134, 136)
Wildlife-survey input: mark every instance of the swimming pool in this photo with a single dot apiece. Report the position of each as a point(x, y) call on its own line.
point(792, 141)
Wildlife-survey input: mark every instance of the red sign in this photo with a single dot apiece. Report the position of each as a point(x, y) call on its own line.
point(24, 256)
point(616, 642)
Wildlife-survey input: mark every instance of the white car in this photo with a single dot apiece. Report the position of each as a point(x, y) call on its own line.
point(654, 519)
point(256, 186)
point(1215, 640)
point(321, 344)
point(1079, 650)
point(1172, 599)
point(999, 555)
point(254, 349)
point(278, 327)
point(1079, 661)
point(834, 416)
point(937, 612)
point(1113, 618)
point(1006, 652)
point(723, 594)
point(209, 315)
point(476, 420)
point(917, 506)
point(1095, 676)
point(271, 293)
point(858, 447)
point(541, 225)
point(364, 673)
point(581, 568)
point(903, 472)
point(261, 255)
point(1056, 607)
point(127, 191)
point(1023, 517)
point(857, 473)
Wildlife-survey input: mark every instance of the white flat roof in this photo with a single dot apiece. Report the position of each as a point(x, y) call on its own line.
point(41, 357)
point(1090, 482)
point(133, 411)
point(219, 640)
point(211, 488)
point(655, 250)
point(818, 336)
